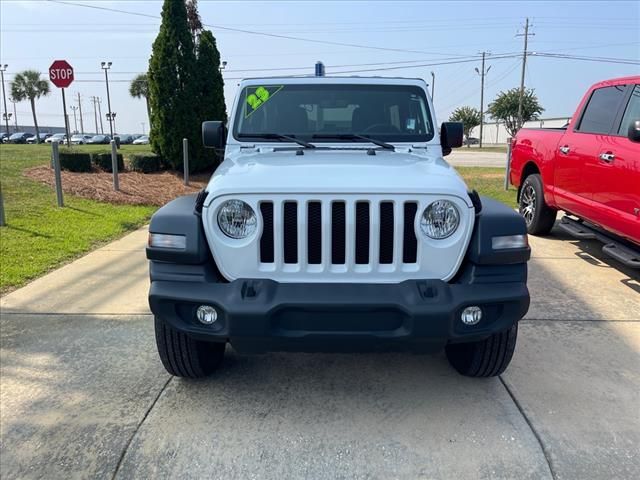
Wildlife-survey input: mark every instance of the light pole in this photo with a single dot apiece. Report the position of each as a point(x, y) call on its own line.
point(112, 121)
point(106, 66)
point(433, 84)
point(223, 65)
point(75, 119)
point(3, 69)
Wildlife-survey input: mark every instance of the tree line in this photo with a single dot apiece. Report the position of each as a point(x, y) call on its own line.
point(504, 109)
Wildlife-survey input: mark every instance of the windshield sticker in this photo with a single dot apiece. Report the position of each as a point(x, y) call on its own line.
point(258, 96)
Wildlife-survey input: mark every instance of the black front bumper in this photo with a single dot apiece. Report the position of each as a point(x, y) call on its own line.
point(263, 315)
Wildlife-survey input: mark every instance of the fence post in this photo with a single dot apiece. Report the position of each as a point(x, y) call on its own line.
point(56, 170)
point(114, 165)
point(3, 220)
point(508, 169)
point(185, 160)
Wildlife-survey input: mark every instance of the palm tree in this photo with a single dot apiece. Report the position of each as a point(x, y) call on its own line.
point(139, 88)
point(28, 85)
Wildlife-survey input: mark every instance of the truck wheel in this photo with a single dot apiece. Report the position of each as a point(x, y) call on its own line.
point(486, 358)
point(183, 356)
point(538, 216)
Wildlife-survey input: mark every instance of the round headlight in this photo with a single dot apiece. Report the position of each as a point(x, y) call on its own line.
point(236, 219)
point(440, 219)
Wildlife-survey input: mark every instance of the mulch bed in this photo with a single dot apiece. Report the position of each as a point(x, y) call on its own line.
point(135, 188)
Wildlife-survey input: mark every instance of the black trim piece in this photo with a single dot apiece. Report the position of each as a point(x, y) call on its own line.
point(338, 233)
point(200, 198)
point(386, 233)
point(266, 240)
point(362, 233)
point(475, 200)
point(290, 236)
point(314, 233)
point(410, 245)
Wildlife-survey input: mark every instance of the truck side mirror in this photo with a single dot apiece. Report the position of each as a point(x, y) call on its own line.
point(451, 135)
point(214, 134)
point(634, 131)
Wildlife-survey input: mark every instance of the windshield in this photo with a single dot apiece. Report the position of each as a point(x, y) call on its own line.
point(333, 113)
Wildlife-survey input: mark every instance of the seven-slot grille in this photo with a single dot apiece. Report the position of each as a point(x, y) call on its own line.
point(338, 233)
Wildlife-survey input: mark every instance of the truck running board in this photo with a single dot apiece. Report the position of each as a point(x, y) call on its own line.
point(625, 255)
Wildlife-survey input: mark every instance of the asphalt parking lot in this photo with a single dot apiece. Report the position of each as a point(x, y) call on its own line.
point(84, 395)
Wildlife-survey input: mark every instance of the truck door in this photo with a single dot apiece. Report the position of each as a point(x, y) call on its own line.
point(578, 153)
point(616, 173)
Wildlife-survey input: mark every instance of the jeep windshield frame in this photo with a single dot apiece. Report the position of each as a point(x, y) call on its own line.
point(333, 113)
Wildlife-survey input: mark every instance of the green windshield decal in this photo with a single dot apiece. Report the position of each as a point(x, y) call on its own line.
point(258, 96)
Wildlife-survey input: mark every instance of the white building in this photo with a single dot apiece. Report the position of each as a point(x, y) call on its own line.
point(495, 134)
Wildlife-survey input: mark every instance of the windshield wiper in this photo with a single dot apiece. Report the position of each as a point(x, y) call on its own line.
point(277, 136)
point(353, 136)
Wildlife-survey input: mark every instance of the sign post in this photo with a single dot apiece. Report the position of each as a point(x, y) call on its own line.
point(61, 75)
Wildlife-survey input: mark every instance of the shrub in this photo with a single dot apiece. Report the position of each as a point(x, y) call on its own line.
point(75, 161)
point(103, 160)
point(145, 163)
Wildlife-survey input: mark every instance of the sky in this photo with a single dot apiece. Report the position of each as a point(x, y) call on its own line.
point(403, 39)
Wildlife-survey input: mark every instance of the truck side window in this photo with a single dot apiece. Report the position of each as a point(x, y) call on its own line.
point(601, 110)
point(632, 113)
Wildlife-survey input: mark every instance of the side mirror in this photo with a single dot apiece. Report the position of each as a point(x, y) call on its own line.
point(634, 131)
point(214, 134)
point(451, 135)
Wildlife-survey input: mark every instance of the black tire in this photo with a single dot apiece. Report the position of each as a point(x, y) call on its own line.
point(183, 356)
point(538, 216)
point(486, 358)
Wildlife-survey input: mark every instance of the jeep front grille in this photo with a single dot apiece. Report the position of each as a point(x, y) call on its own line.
point(338, 233)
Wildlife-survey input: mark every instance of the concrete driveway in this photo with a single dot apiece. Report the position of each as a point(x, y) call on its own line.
point(83, 394)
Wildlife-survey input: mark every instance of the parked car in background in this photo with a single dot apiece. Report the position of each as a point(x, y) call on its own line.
point(125, 139)
point(20, 137)
point(590, 170)
point(142, 140)
point(57, 137)
point(99, 140)
point(80, 139)
point(472, 141)
point(4, 136)
point(43, 137)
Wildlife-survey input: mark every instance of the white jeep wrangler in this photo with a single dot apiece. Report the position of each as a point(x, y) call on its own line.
point(334, 224)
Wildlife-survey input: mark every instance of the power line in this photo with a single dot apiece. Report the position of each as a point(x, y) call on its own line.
point(252, 32)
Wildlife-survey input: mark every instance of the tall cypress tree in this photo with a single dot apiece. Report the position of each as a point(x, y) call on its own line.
point(212, 85)
point(173, 89)
point(212, 105)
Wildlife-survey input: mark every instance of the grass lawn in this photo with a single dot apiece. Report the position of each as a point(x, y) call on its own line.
point(488, 182)
point(496, 149)
point(40, 236)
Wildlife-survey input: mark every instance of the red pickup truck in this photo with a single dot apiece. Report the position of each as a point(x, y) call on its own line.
point(590, 169)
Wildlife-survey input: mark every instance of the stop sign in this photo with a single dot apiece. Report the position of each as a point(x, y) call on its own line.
point(61, 73)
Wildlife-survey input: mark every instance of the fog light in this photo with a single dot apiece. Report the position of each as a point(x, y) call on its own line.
point(207, 314)
point(471, 315)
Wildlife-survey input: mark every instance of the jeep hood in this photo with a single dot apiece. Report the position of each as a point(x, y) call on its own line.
point(336, 171)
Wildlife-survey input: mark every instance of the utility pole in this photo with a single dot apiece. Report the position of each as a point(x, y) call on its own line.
point(80, 111)
point(482, 75)
point(106, 66)
point(143, 124)
point(3, 69)
point(15, 113)
point(99, 101)
point(526, 35)
point(75, 119)
point(95, 113)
